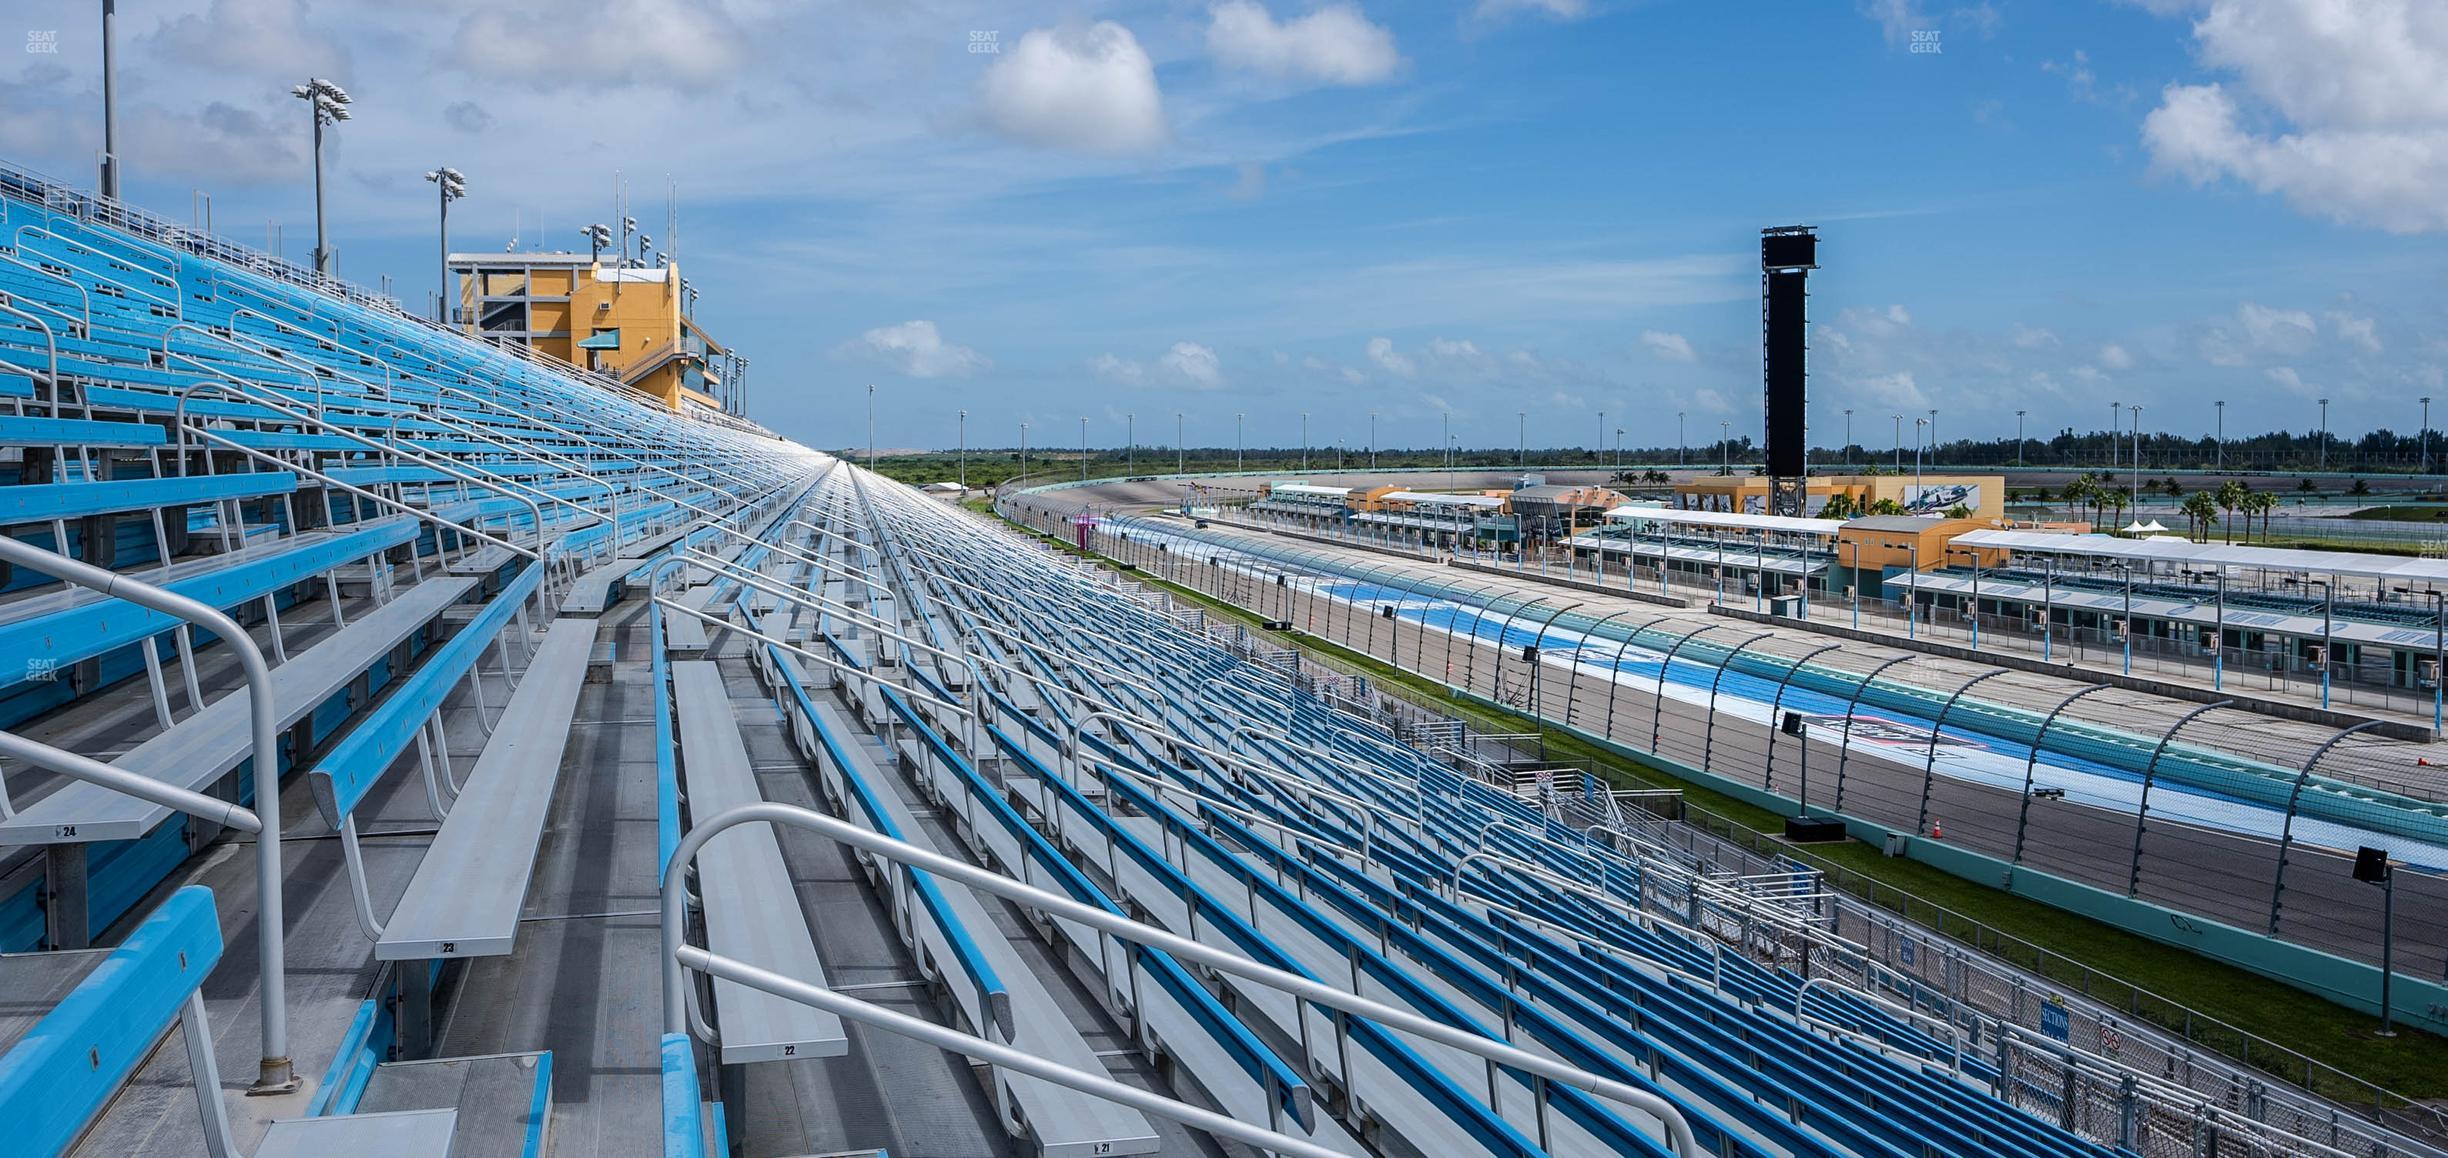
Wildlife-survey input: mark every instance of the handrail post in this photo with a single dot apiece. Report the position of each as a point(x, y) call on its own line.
point(275, 1075)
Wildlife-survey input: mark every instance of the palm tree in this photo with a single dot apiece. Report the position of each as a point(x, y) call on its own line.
point(2230, 497)
point(2201, 507)
point(2114, 502)
point(2263, 502)
point(2079, 491)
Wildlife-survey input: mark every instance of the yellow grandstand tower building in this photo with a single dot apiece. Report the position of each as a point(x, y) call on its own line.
point(623, 318)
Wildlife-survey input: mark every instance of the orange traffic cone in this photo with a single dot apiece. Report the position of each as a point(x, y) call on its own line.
point(1937, 831)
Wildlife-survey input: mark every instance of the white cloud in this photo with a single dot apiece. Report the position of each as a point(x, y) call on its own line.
point(1089, 88)
point(1195, 363)
point(1118, 369)
point(1555, 9)
point(1897, 19)
point(917, 348)
point(1459, 351)
point(2286, 377)
point(2081, 83)
point(1333, 45)
point(2030, 338)
point(1381, 351)
point(1877, 323)
point(2115, 357)
point(2358, 121)
point(252, 36)
point(1187, 366)
point(2362, 333)
point(2281, 331)
point(1709, 400)
point(1896, 389)
point(1670, 347)
point(602, 44)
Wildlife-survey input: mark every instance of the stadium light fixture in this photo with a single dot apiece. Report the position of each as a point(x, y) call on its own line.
point(450, 185)
point(599, 237)
point(328, 104)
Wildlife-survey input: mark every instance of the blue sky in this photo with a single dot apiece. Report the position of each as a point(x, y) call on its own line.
point(1434, 211)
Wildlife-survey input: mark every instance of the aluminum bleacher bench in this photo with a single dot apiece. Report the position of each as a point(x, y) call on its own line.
point(1064, 1122)
point(467, 893)
point(43, 502)
point(74, 1026)
point(752, 909)
point(684, 636)
point(27, 430)
point(74, 624)
point(208, 745)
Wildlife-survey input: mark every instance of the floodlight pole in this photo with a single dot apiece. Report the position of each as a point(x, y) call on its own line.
point(1237, 443)
point(2426, 435)
point(111, 104)
point(2137, 460)
point(2324, 434)
point(963, 440)
point(322, 250)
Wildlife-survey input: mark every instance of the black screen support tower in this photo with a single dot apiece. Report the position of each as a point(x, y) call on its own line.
point(1787, 255)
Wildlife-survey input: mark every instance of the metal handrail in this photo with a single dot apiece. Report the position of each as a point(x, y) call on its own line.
point(50, 342)
point(677, 954)
point(993, 1053)
point(224, 383)
point(275, 1074)
point(73, 284)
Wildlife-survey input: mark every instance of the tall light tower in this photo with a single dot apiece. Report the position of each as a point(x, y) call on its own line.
point(2220, 435)
point(1181, 450)
point(599, 238)
point(2019, 436)
point(1237, 443)
point(2426, 434)
point(1848, 438)
point(2137, 460)
point(1787, 255)
point(330, 106)
point(110, 100)
point(2324, 434)
point(450, 185)
point(963, 440)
